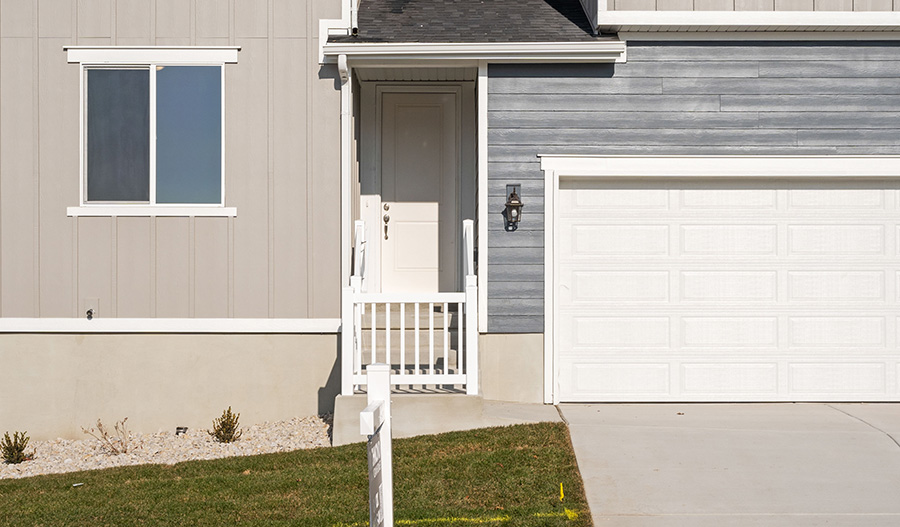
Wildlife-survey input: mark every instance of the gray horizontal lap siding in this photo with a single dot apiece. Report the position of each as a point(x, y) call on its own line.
point(765, 98)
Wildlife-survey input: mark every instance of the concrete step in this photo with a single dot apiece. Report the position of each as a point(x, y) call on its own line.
point(418, 414)
point(413, 414)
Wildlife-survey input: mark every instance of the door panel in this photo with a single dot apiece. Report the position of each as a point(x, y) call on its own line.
point(419, 167)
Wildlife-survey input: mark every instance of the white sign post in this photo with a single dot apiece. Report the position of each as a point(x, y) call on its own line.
point(375, 422)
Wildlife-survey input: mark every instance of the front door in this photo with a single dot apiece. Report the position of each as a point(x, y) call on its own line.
point(419, 167)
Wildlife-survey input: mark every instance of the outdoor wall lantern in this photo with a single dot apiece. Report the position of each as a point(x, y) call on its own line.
point(513, 207)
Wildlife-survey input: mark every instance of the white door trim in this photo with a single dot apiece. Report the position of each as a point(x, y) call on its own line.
point(573, 167)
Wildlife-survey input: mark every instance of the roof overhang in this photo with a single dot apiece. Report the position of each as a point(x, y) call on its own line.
point(371, 54)
point(748, 21)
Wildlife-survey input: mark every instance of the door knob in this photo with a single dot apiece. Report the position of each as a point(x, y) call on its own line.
point(387, 218)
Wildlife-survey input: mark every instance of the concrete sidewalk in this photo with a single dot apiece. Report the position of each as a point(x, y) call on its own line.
point(728, 465)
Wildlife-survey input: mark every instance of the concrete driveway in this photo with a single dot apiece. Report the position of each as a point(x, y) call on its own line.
point(725, 465)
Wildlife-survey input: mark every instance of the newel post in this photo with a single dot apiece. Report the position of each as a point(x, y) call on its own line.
point(347, 341)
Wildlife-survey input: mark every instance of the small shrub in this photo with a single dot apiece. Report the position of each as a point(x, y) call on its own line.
point(14, 449)
point(225, 429)
point(117, 441)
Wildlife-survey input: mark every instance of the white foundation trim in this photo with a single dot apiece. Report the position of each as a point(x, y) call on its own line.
point(145, 54)
point(574, 167)
point(714, 21)
point(602, 51)
point(155, 210)
point(170, 325)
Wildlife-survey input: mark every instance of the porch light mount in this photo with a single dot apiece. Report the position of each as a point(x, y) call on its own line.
point(514, 206)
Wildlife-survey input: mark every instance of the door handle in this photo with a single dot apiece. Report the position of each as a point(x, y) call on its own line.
point(387, 218)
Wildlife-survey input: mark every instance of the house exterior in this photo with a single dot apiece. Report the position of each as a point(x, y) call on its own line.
point(244, 202)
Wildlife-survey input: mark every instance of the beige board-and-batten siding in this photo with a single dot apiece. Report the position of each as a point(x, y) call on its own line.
point(278, 258)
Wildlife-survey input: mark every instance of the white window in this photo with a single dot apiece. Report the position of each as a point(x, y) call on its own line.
point(152, 131)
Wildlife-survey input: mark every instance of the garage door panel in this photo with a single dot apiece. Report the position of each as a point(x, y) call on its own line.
point(593, 240)
point(755, 291)
point(837, 286)
point(838, 378)
point(721, 332)
point(837, 199)
point(717, 286)
point(595, 332)
point(730, 240)
point(837, 331)
point(730, 199)
point(827, 240)
point(615, 380)
point(589, 286)
point(737, 378)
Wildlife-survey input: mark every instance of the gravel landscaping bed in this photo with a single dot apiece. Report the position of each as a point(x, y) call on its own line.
point(67, 455)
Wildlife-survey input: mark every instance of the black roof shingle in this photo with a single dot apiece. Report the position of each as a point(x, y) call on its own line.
point(444, 21)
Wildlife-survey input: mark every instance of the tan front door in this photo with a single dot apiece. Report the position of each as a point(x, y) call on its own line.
point(419, 166)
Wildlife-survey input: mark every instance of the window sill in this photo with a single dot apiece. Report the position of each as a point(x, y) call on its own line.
point(128, 210)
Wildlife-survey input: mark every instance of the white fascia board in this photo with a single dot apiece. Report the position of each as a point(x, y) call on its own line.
point(170, 325)
point(723, 166)
point(629, 36)
point(603, 51)
point(151, 211)
point(748, 21)
point(152, 54)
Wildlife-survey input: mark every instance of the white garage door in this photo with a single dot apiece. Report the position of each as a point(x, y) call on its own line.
point(727, 290)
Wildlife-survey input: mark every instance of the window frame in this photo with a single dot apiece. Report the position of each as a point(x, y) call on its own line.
point(149, 58)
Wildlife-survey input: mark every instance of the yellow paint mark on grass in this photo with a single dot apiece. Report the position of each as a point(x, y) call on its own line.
point(568, 513)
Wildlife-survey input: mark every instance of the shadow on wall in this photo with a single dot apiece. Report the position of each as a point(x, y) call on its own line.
point(330, 71)
point(332, 386)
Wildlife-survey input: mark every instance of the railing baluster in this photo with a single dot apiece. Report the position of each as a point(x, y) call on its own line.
point(372, 351)
point(417, 347)
point(387, 333)
point(402, 338)
point(459, 338)
point(446, 337)
point(431, 338)
point(358, 308)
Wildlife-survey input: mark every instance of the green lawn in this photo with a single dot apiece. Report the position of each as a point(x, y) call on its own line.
point(494, 476)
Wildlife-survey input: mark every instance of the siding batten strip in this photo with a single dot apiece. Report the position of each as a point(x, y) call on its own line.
point(36, 162)
point(270, 159)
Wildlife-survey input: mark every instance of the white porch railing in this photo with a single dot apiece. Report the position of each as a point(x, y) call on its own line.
point(429, 339)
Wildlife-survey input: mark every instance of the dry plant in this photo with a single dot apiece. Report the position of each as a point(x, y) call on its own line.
point(14, 449)
point(116, 442)
point(225, 429)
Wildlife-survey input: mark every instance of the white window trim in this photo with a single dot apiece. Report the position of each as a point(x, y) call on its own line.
point(574, 167)
point(150, 57)
point(170, 325)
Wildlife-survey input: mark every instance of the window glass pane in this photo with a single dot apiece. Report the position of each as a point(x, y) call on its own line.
point(118, 135)
point(188, 134)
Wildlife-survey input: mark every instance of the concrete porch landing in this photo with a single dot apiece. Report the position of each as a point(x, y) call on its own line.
point(420, 414)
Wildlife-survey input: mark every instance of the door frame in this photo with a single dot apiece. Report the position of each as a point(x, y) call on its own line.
point(575, 167)
point(370, 144)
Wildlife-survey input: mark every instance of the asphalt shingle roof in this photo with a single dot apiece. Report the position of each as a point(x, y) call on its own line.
point(441, 21)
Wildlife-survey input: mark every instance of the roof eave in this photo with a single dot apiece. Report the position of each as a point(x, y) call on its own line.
point(497, 52)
